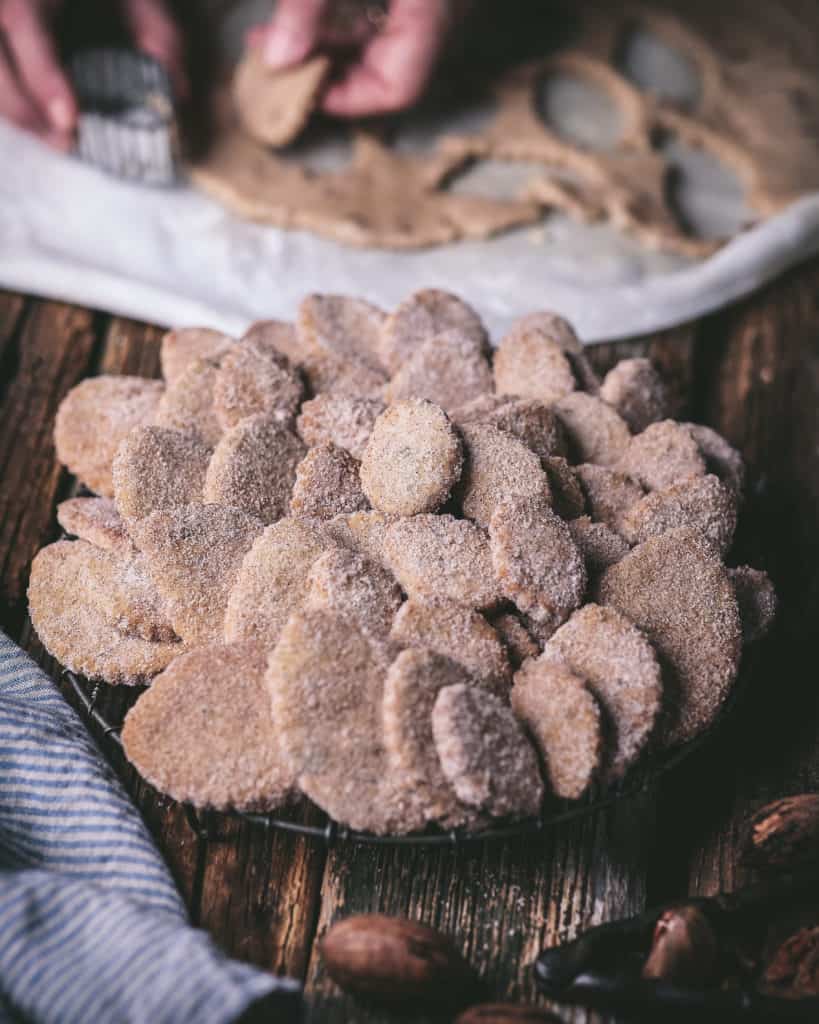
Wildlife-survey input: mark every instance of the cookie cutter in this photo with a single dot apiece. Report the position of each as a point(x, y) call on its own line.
point(640, 781)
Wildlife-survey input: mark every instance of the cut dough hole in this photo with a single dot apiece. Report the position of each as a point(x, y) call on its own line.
point(421, 129)
point(657, 68)
point(579, 111)
point(495, 179)
point(705, 195)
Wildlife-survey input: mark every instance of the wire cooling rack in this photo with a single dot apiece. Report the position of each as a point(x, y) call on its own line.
point(638, 782)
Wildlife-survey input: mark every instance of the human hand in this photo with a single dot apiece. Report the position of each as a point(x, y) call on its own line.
point(394, 59)
point(35, 93)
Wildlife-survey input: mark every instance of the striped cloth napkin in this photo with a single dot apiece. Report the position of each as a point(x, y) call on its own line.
point(91, 925)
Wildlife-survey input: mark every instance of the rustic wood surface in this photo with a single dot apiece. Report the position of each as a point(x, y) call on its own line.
point(753, 373)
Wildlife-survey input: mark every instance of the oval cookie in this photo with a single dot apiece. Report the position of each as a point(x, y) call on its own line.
point(157, 468)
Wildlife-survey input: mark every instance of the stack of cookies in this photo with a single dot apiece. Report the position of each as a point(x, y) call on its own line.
point(366, 559)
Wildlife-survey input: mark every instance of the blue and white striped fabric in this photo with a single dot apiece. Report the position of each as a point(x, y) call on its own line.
point(92, 927)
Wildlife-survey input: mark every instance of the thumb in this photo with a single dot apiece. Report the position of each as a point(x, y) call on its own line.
point(293, 32)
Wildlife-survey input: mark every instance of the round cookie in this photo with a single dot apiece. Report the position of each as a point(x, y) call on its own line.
point(484, 754)
point(563, 719)
point(158, 468)
point(497, 467)
point(530, 363)
point(609, 494)
point(596, 432)
point(254, 378)
point(440, 558)
point(536, 561)
point(209, 708)
point(756, 599)
point(188, 402)
point(326, 683)
point(181, 347)
point(562, 333)
point(664, 454)
point(721, 458)
point(341, 420)
point(273, 580)
point(413, 459)
point(620, 668)
point(701, 502)
point(635, 389)
point(599, 545)
point(531, 421)
point(519, 642)
point(448, 369)
point(94, 417)
point(364, 532)
point(97, 521)
point(422, 316)
point(677, 591)
point(193, 556)
point(277, 334)
point(254, 468)
point(327, 484)
point(458, 633)
point(352, 586)
point(72, 630)
point(413, 682)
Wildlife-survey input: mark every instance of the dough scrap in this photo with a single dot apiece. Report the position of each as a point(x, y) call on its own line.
point(210, 707)
point(326, 682)
point(97, 521)
point(676, 590)
point(193, 555)
point(413, 459)
point(484, 753)
point(620, 668)
point(73, 631)
point(254, 468)
point(273, 580)
point(94, 417)
point(562, 717)
point(158, 468)
point(440, 558)
point(274, 105)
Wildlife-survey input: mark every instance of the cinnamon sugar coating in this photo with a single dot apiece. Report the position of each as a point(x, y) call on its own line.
point(677, 591)
point(342, 420)
point(637, 391)
point(326, 683)
point(497, 467)
point(448, 369)
point(440, 558)
point(701, 502)
point(619, 666)
point(181, 347)
point(158, 468)
point(353, 587)
point(664, 454)
point(254, 468)
point(597, 433)
point(327, 484)
point(413, 459)
point(563, 719)
point(72, 629)
point(530, 363)
point(95, 520)
point(422, 316)
point(210, 707)
point(92, 420)
point(254, 378)
point(484, 753)
point(187, 404)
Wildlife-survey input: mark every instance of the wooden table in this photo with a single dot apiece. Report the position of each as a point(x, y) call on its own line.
point(752, 372)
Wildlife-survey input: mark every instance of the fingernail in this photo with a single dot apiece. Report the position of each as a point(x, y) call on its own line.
point(279, 48)
point(60, 114)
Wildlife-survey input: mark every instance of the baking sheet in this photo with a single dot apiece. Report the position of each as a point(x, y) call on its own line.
point(175, 257)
